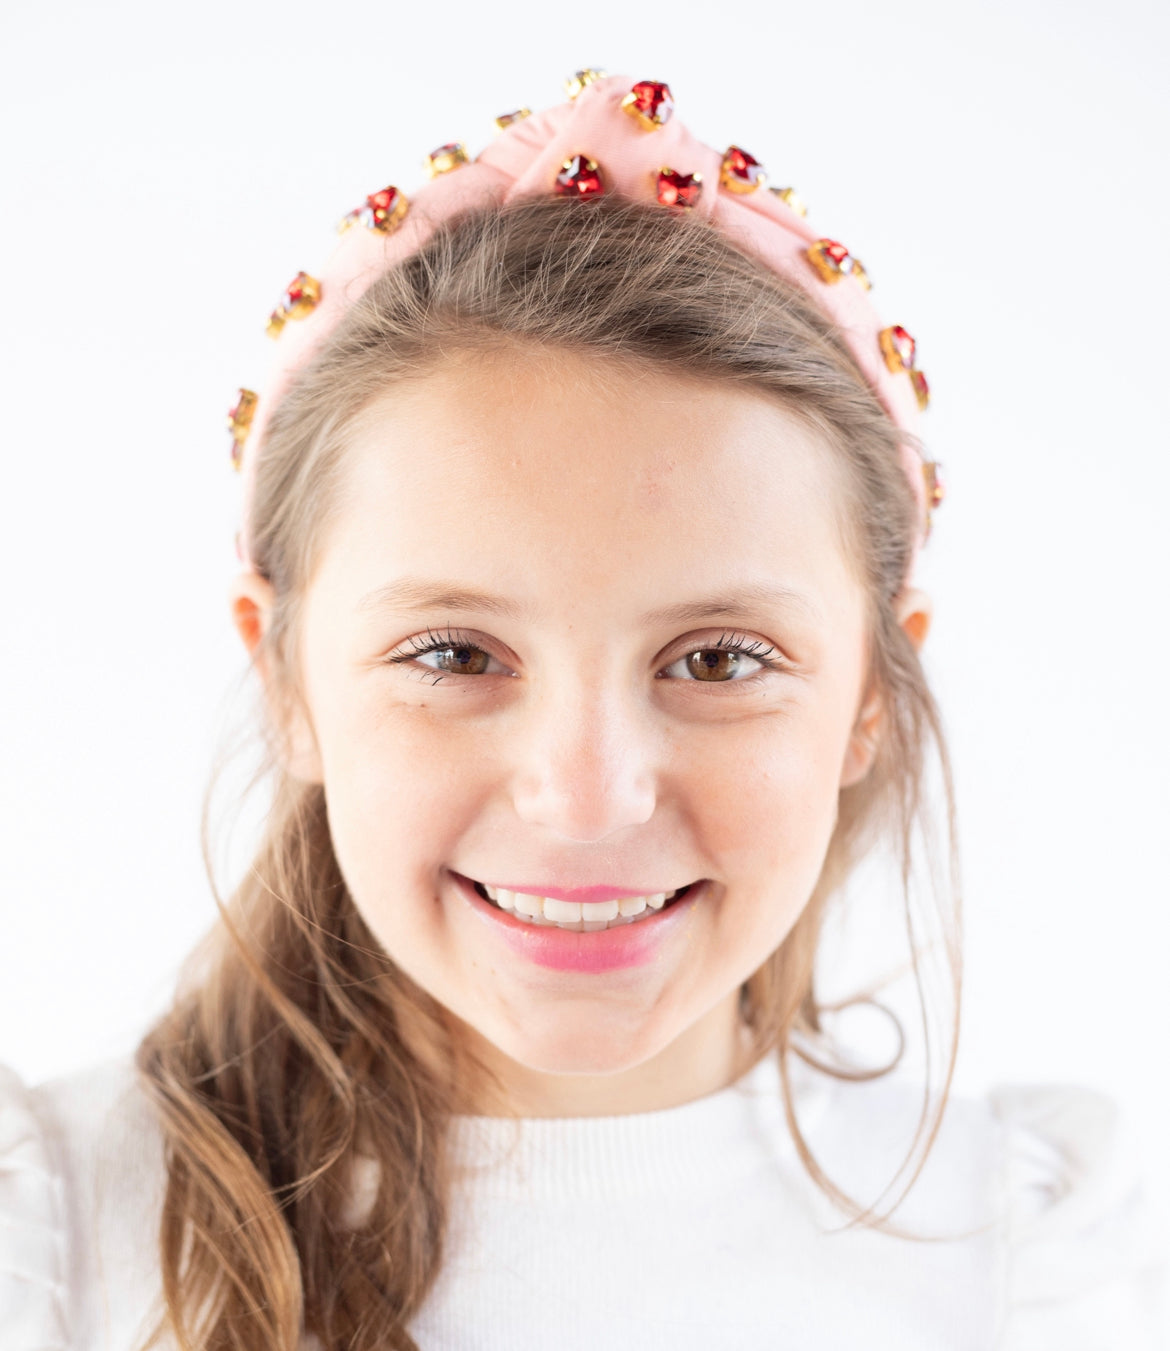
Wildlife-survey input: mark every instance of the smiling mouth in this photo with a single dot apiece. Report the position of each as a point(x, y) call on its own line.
point(591, 917)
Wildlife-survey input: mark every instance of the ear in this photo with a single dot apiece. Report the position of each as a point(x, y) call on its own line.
point(912, 610)
point(252, 600)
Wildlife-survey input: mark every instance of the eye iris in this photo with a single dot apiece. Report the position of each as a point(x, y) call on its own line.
point(713, 664)
point(466, 659)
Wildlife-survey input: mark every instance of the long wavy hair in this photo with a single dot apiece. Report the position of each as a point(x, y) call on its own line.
point(296, 1051)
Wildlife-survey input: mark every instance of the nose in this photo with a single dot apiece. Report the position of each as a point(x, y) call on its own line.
point(586, 764)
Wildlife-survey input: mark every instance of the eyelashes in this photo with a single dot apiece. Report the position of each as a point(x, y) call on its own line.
point(474, 658)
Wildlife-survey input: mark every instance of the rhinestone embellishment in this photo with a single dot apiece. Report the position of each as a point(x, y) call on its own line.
point(741, 172)
point(383, 212)
point(300, 299)
point(507, 119)
point(832, 261)
point(580, 78)
point(650, 103)
point(898, 348)
point(579, 177)
point(675, 189)
point(446, 158)
point(790, 197)
point(239, 421)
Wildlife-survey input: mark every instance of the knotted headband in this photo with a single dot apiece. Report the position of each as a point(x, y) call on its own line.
point(613, 135)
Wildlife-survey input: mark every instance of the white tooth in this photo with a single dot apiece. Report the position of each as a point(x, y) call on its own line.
point(506, 900)
point(563, 912)
point(656, 902)
point(493, 892)
point(527, 905)
point(632, 905)
point(606, 910)
point(594, 925)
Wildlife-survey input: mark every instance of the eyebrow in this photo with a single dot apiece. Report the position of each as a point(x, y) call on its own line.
point(410, 594)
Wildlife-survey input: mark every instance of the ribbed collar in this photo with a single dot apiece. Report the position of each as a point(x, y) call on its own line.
point(692, 1148)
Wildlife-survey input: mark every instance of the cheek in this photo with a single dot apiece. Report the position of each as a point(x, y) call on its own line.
point(401, 789)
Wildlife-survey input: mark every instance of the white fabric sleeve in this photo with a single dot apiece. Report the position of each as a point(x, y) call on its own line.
point(33, 1295)
point(1085, 1255)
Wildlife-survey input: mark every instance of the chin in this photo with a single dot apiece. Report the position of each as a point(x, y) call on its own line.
point(572, 1049)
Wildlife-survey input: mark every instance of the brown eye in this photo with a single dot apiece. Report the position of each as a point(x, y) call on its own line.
point(713, 664)
point(461, 660)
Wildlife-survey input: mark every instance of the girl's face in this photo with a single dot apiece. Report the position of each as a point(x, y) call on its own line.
point(581, 626)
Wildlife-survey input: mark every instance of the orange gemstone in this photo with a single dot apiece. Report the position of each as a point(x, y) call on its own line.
point(674, 189)
point(650, 103)
point(741, 172)
point(897, 347)
point(921, 388)
point(579, 177)
point(239, 421)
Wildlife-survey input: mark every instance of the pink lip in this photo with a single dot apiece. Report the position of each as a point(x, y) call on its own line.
point(585, 895)
point(564, 950)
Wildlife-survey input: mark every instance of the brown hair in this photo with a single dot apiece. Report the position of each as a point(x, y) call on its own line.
point(295, 1045)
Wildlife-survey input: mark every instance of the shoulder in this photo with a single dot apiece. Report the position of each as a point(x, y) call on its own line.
point(1084, 1250)
point(1042, 1188)
point(81, 1182)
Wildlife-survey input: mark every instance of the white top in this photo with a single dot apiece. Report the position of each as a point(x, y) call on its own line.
point(690, 1228)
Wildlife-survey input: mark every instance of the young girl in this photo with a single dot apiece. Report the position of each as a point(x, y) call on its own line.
point(581, 512)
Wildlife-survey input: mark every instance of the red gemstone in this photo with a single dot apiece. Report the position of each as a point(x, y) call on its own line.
point(903, 344)
point(381, 208)
point(897, 347)
point(652, 100)
point(678, 189)
point(921, 388)
point(741, 172)
point(838, 253)
point(579, 177)
point(296, 290)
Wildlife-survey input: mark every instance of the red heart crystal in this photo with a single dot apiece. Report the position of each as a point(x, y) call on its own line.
point(579, 177)
point(674, 189)
point(741, 172)
point(650, 102)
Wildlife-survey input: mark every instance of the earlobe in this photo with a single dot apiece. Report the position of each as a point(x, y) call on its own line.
point(251, 598)
point(863, 742)
point(912, 610)
point(252, 601)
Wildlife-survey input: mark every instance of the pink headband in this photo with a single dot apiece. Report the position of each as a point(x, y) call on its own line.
point(614, 135)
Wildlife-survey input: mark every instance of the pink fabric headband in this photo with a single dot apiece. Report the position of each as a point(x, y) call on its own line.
point(614, 135)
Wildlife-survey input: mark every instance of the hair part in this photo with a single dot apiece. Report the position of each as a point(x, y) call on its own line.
point(296, 1049)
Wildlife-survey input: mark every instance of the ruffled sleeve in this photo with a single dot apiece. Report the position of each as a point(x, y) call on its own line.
point(1085, 1259)
point(32, 1234)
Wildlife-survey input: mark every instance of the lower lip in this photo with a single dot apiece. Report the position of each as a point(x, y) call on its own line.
point(565, 950)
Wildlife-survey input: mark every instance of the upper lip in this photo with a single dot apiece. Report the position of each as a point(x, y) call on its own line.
point(584, 895)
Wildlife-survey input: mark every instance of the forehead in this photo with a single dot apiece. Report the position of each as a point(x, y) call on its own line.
point(518, 465)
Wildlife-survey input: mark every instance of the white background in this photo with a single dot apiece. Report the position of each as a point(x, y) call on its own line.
point(1000, 170)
